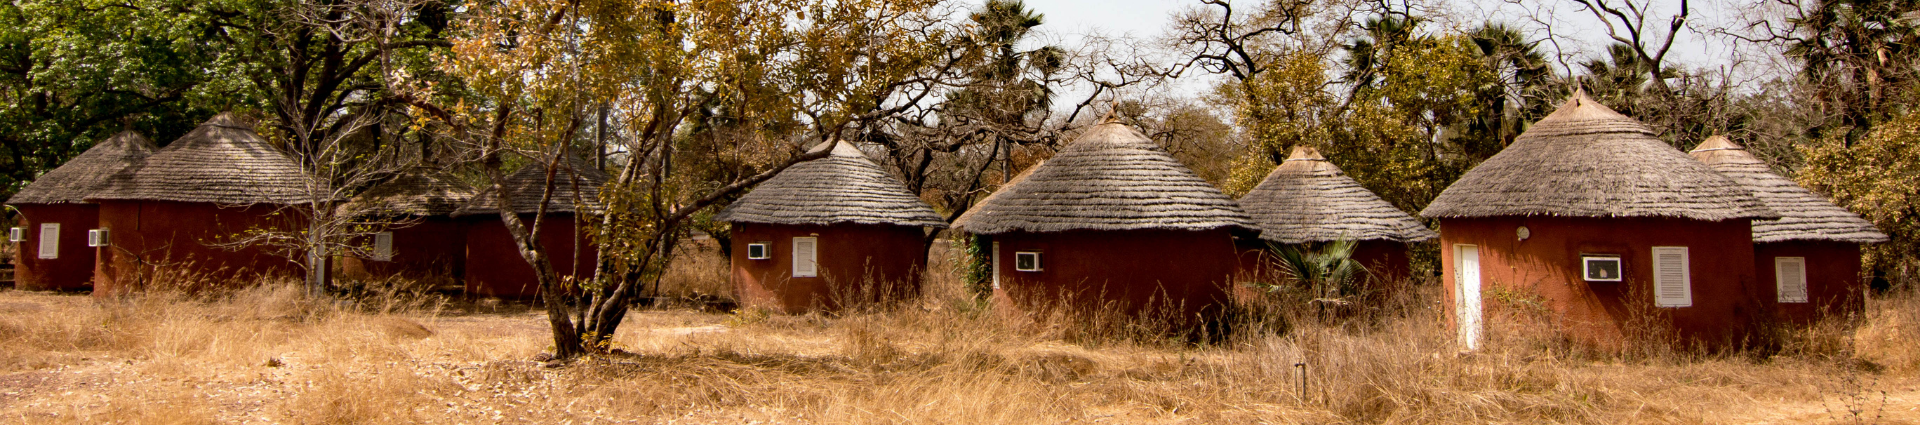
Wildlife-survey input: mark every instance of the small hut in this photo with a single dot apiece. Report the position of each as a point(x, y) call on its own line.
point(1811, 254)
point(180, 205)
point(424, 241)
point(1308, 201)
point(829, 233)
point(54, 251)
point(494, 267)
point(1619, 235)
point(1112, 223)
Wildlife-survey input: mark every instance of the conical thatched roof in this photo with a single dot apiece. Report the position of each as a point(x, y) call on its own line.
point(1586, 160)
point(422, 192)
point(1307, 199)
point(221, 161)
point(844, 187)
point(1111, 178)
point(1804, 215)
point(80, 176)
point(575, 183)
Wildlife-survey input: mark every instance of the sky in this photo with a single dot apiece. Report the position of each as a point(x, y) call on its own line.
point(1576, 32)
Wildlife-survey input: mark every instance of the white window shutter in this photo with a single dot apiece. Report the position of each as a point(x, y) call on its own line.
point(806, 258)
point(383, 246)
point(49, 241)
point(1790, 274)
point(1672, 279)
point(996, 265)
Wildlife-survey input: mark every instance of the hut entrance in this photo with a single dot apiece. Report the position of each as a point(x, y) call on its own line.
point(1468, 283)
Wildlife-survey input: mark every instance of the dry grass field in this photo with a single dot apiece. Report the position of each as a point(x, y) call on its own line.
point(265, 356)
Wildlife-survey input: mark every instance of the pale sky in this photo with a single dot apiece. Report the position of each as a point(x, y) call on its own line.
point(1579, 32)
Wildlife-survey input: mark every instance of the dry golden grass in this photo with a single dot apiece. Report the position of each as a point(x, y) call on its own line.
point(265, 355)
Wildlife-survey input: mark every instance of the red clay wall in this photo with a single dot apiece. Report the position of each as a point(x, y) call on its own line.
point(432, 247)
point(494, 267)
point(177, 235)
point(1834, 283)
point(73, 269)
point(1134, 272)
point(1387, 261)
point(1726, 298)
point(858, 264)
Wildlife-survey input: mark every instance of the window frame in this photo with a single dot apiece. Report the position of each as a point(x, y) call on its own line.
point(49, 247)
point(812, 268)
point(99, 238)
point(1780, 282)
point(1586, 267)
point(1684, 297)
point(765, 247)
point(16, 234)
point(382, 246)
point(1038, 266)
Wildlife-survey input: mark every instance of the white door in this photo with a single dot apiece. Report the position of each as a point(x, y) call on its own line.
point(1466, 284)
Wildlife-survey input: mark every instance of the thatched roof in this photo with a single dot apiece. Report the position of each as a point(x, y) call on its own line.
point(422, 192)
point(576, 188)
point(1016, 179)
point(1307, 199)
point(72, 181)
point(1586, 160)
point(1110, 178)
point(843, 187)
point(1804, 215)
point(221, 161)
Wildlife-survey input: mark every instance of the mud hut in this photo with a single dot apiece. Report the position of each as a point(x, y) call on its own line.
point(423, 241)
point(828, 233)
point(55, 251)
point(1618, 236)
point(1307, 201)
point(1111, 224)
point(494, 267)
point(176, 208)
point(1811, 255)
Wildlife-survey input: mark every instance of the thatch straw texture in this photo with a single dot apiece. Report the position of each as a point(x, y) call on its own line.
point(1585, 160)
point(73, 181)
point(843, 187)
point(420, 192)
point(576, 188)
point(222, 161)
point(1307, 199)
point(1110, 178)
point(1805, 216)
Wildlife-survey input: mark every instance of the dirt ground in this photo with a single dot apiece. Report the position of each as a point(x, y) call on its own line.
point(222, 362)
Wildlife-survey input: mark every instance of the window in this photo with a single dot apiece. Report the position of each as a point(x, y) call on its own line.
point(17, 234)
point(1026, 261)
point(1672, 281)
point(49, 241)
point(806, 259)
point(758, 251)
point(1599, 268)
point(1790, 274)
point(383, 246)
point(97, 238)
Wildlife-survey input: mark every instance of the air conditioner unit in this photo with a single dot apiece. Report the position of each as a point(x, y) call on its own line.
point(97, 238)
point(17, 234)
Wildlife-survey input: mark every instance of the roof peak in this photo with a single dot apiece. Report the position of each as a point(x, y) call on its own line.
point(1717, 143)
point(1305, 153)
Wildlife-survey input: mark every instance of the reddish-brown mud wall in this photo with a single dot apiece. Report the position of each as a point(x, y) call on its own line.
point(1176, 275)
point(431, 247)
point(1834, 284)
point(494, 267)
point(1546, 267)
point(858, 264)
point(72, 267)
point(180, 236)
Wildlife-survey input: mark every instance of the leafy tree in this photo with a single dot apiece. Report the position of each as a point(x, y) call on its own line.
point(1875, 177)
